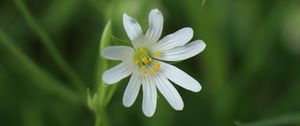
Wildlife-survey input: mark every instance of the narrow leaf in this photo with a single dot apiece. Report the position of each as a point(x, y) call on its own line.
point(292, 119)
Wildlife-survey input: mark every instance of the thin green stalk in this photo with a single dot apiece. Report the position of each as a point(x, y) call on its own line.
point(31, 115)
point(104, 42)
point(101, 119)
point(110, 94)
point(104, 92)
point(41, 78)
point(45, 39)
point(291, 119)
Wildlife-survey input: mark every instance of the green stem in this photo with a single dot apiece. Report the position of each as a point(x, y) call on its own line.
point(110, 94)
point(41, 78)
point(104, 91)
point(101, 119)
point(291, 119)
point(45, 39)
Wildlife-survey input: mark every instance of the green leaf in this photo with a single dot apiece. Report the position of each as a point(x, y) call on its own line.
point(49, 44)
point(291, 119)
point(103, 63)
point(40, 77)
point(101, 98)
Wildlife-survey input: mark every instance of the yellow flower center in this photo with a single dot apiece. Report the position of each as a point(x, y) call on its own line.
point(145, 61)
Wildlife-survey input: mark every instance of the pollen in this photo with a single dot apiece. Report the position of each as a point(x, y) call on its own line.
point(156, 66)
point(136, 61)
point(157, 54)
point(145, 60)
point(150, 71)
point(150, 59)
point(143, 50)
point(143, 70)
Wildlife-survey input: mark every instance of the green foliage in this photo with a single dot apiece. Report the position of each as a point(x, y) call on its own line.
point(50, 53)
point(292, 119)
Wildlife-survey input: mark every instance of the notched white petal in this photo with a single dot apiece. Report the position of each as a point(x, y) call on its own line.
point(156, 21)
point(118, 72)
point(132, 90)
point(169, 92)
point(149, 96)
point(183, 52)
point(132, 27)
point(118, 52)
point(178, 38)
point(179, 77)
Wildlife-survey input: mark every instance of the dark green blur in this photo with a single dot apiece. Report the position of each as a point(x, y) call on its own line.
point(249, 71)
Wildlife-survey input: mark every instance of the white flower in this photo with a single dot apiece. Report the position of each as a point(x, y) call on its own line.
point(144, 63)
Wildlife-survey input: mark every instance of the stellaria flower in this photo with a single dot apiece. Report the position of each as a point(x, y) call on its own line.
point(144, 63)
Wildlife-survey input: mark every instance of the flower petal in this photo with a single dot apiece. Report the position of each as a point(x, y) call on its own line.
point(179, 77)
point(132, 27)
point(169, 92)
point(156, 21)
point(118, 72)
point(149, 96)
point(178, 38)
point(132, 89)
point(118, 52)
point(182, 52)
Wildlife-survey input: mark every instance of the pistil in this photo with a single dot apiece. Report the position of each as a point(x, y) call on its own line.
point(145, 62)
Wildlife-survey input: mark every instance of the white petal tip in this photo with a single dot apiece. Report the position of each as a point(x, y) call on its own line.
point(202, 44)
point(179, 108)
point(155, 12)
point(198, 89)
point(127, 105)
point(189, 29)
point(105, 53)
point(125, 15)
point(148, 114)
point(106, 79)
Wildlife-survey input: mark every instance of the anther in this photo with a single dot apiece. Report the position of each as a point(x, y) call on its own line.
point(150, 71)
point(150, 59)
point(156, 66)
point(143, 69)
point(145, 60)
point(157, 54)
point(136, 61)
point(143, 50)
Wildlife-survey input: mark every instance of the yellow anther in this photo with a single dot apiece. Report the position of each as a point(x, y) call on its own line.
point(157, 54)
point(143, 70)
point(145, 60)
point(156, 66)
point(150, 71)
point(136, 61)
point(143, 50)
point(150, 59)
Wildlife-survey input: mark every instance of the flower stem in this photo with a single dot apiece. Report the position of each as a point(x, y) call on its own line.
point(48, 43)
point(41, 78)
point(101, 119)
point(104, 92)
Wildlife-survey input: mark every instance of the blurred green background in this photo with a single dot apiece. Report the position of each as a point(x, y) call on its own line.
point(250, 70)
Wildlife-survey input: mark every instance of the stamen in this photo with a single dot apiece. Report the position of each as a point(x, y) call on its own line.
point(143, 50)
point(150, 71)
point(143, 70)
point(150, 59)
point(156, 66)
point(157, 54)
point(136, 61)
point(145, 60)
